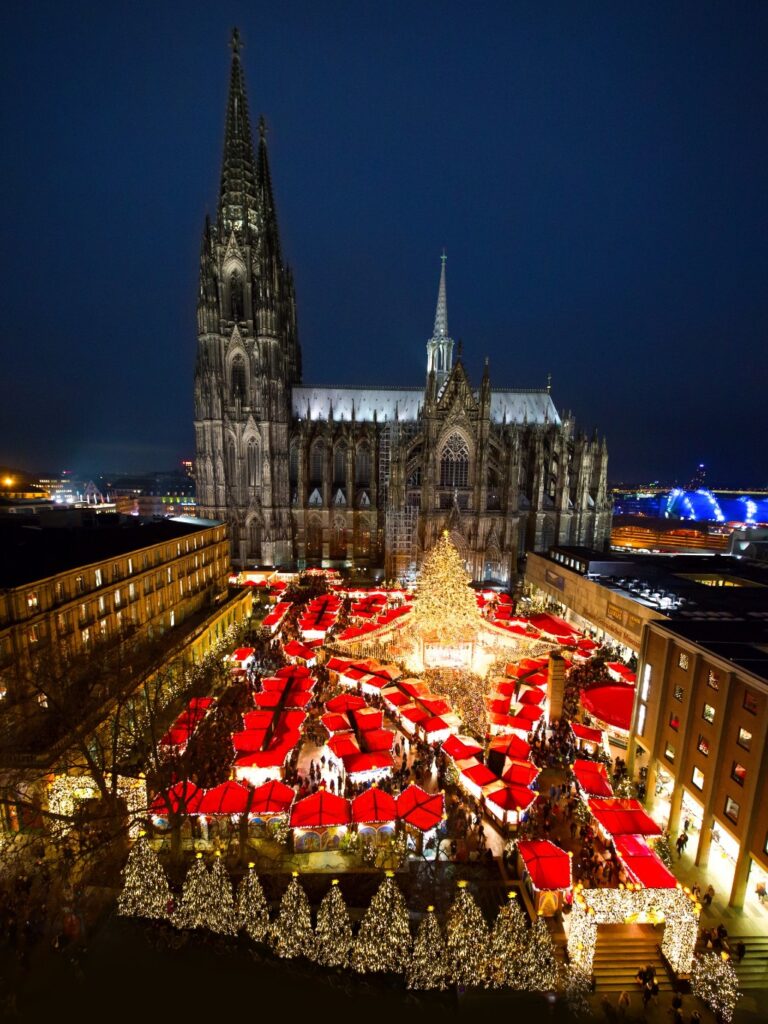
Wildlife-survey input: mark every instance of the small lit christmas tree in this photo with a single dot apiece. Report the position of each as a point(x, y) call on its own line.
point(538, 964)
point(714, 981)
point(578, 985)
point(428, 966)
point(384, 940)
point(445, 606)
point(252, 909)
point(467, 940)
point(145, 891)
point(333, 935)
point(221, 912)
point(508, 940)
point(291, 934)
point(194, 907)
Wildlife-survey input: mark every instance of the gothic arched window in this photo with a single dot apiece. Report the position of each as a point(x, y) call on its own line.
point(454, 462)
point(293, 463)
point(238, 379)
point(339, 538)
point(254, 538)
point(236, 295)
point(253, 463)
point(363, 466)
point(316, 459)
point(231, 462)
point(340, 463)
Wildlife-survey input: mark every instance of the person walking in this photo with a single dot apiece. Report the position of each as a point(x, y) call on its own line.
point(680, 844)
point(624, 1003)
point(708, 895)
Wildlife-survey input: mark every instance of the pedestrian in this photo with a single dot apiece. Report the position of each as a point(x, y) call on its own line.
point(680, 844)
point(708, 895)
point(624, 1003)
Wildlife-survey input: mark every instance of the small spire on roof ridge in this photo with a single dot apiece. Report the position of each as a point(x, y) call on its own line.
point(549, 383)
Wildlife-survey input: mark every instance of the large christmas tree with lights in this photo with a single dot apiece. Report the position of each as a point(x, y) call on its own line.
point(333, 935)
point(428, 966)
point(383, 942)
point(509, 939)
point(445, 609)
point(467, 940)
point(197, 897)
point(538, 964)
point(714, 981)
point(252, 909)
point(291, 934)
point(222, 918)
point(146, 892)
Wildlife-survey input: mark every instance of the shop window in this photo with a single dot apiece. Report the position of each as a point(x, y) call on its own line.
point(646, 685)
point(708, 714)
point(674, 722)
point(745, 739)
point(679, 693)
point(642, 712)
point(703, 746)
point(732, 810)
point(738, 773)
point(682, 661)
point(697, 778)
point(713, 679)
point(750, 703)
point(669, 753)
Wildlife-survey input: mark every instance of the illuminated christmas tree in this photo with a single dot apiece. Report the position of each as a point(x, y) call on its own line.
point(221, 911)
point(445, 609)
point(384, 940)
point(538, 965)
point(428, 966)
point(578, 986)
point(508, 940)
point(291, 934)
point(714, 981)
point(467, 940)
point(194, 907)
point(145, 891)
point(333, 935)
point(252, 909)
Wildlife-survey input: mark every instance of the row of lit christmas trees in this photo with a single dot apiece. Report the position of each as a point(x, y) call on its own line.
point(509, 955)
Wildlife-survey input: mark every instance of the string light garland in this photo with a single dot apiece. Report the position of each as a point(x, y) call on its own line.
point(145, 892)
point(383, 942)
point(333, 934)
point(196, 897)
point(291, 934)
point(251, 905)
point(714, 981)
point(428, 966)
point(222, 918)
point(509, 939)
point(467, 939)
point(538, 964)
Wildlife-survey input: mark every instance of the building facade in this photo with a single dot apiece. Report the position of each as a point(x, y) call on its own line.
point(362, 476)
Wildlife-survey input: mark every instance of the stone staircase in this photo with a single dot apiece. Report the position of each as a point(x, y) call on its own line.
point(621, 950)
point(753, 969)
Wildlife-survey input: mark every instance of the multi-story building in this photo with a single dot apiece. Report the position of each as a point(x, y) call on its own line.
point(365, 476)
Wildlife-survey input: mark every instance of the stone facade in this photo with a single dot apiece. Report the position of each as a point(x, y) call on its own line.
point(363, 476)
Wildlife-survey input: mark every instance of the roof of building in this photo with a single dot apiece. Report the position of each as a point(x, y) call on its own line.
point(744, 643)
point(31, 551)
point(404, 404)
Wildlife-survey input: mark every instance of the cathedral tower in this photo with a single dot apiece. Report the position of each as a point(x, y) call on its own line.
point(440, 345)
point(248, 354)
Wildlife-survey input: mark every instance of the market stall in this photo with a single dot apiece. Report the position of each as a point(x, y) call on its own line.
point(546, 870)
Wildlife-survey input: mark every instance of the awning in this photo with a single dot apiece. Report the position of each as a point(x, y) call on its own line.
point(623, 817)
point(182, 798)
point(373, 805)
point(460, 747)
point(320, 810)
point(228, 798)
point(421, 809)
point(510, 746)
point(510, 797)
point(480, 775)
point(548, 865)
point(583, 732)
point(243, 653)
point(610, 704)
point(643, 864)
point(272, 798)
point(345, 702)
point(521, 773)
point(592, 778)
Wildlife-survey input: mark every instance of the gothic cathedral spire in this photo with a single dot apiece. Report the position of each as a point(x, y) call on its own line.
point(440, 345)
point(238, 194)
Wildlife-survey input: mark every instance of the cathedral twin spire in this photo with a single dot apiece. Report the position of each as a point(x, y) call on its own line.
point(440, 345)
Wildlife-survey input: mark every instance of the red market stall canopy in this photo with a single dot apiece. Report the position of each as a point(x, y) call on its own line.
point(479, 775)
point(533, 696)
point(182, 798)
point(373, 806)
point(320, 810)
point(295, 649)
point(521, 773)
point(610, 704)
point(643, 864)
point(243, 654)
point(276, 616)
point(553, 626)
point(583, 732)
point(592, 778)
point(548, 866)
point(421, 809)
point(272, 798)
point(459, 748)
point(228, 798)
point(508, 797)
point(345, 702)
point(623, 817)
point(510, 746)
point(621, 673)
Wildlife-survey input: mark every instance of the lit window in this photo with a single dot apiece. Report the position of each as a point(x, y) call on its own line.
point(97, 577)
point(103, 627)
point(682, 661)
point(708, 714)
point(698, 778)
point(738, 773)
point(732, 810)
point(33, 601)
point(679, 693)
point(713, 679)
point(102, 605)
point(669, 752)
point(750, 703)
point(85, 636)
point(131, 591)
point(703, 746)
point(117, 599)
point(745, 739)
point(130, 566)
point(173, 618)
point(674, 722)
point(641, 719)
point(169, 572)
point(79, 584)
point(646, 687)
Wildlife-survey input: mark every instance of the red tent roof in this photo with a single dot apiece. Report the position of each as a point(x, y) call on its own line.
point(548, 865)
point(421, 809)
point(532, 695)
point(530, 712)
point(182, 798)
point(294, 649)
point(320, 810)
point(345, 702)
point(521, 773)
point(592, 778)
point(623, 817)
point(354, 764)
point(272, 798)
point(611, 704)
point(511, 746)
point(243, 653)
point(643, 864)
point(479, 774)
point(583, 732)
point(461, 747)
point(511, 797)
point(228, 798)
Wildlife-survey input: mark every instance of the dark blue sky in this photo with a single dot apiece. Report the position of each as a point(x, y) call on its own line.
point(596, 172)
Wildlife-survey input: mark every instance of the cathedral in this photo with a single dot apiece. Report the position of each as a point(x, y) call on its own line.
point(362, 476)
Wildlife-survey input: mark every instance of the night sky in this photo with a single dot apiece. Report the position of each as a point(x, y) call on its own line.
point(596, 173)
